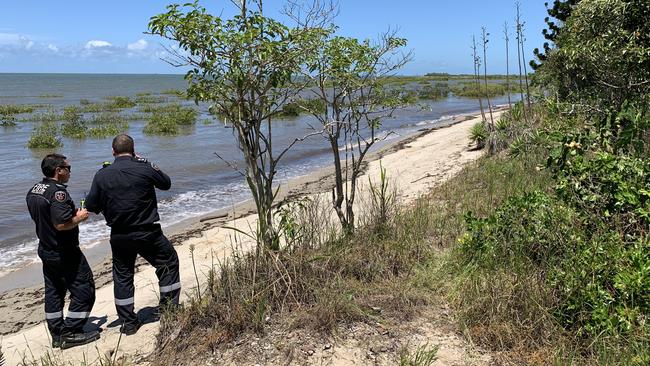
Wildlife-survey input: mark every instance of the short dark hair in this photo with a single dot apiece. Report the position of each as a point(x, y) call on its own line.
point(123, 143)
point(50, 163)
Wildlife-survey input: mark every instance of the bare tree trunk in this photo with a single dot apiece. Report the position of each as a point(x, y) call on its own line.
point(507, 39)
point(518, 27)
point(523, 58)
point(477, 68)
point(487, 92)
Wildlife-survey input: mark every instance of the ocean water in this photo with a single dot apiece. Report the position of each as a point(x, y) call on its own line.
point(201, 182)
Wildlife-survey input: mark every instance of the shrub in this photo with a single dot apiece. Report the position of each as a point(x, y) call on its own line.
point(438, 91)
point(48, 116)
point(108, 129)
point(76, 129)
point(44, 136)
point(120, 102)
point(71, 114)
point(165, 120)
point(478, 135)
point(108, 118)
point(175, 92)
point(7, 120)
point(7, 109)
point(301, 106)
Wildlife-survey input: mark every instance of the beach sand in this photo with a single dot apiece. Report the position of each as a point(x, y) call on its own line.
point(414, 164)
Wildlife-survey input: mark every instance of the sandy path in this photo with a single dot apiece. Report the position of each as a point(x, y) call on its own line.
point(415, 165)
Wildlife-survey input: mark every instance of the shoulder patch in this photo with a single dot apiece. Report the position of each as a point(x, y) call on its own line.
point(60, 196)
point(142, 160)
point(155, 166)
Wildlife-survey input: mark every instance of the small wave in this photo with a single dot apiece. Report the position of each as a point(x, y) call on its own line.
point(436, 120)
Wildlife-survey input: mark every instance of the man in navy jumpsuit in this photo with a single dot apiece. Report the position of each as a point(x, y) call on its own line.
point(124, 192)
point(64, 266)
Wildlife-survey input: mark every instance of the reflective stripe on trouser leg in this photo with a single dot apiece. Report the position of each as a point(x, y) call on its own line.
point(54, 295)
point(81, 285)
point(167, 271)
point(170, 294)
point(123, 289)
point(162, 255)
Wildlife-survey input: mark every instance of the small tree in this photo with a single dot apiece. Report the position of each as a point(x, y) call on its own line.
point(558, 15)
point(477, 78)
point(244, 66)
point(348, 77)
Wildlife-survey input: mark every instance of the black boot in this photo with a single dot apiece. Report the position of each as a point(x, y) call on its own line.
point(69, 339)
point(130, 328)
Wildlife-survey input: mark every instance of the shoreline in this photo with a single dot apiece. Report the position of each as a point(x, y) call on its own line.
point(30, 275)
point(23, 303)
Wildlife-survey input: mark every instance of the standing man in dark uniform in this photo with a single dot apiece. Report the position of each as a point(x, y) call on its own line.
point(64, 266)
point(125, 192)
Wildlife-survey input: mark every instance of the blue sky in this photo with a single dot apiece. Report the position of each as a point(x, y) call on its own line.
point(107, 36)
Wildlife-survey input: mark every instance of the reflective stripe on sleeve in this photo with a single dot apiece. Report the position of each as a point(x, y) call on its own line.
point(55, 315)
point(124, 302)
point(170, 288)
point(78, 314)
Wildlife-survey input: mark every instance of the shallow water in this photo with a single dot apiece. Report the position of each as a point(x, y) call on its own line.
point(201, 182)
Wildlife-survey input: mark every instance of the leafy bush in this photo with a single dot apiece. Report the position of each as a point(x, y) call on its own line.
point(602, 60)
point(604, 285)
point(528, 229)
point(44, 136)
point(605, 185)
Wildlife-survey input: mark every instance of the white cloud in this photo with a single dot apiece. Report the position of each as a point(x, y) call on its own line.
point(97, 44)
point(52, 48)
point(140, 45)
point(15, 39)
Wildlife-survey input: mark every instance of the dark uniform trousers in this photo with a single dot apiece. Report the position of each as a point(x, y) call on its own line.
point(68, 271)
point(153, 246)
